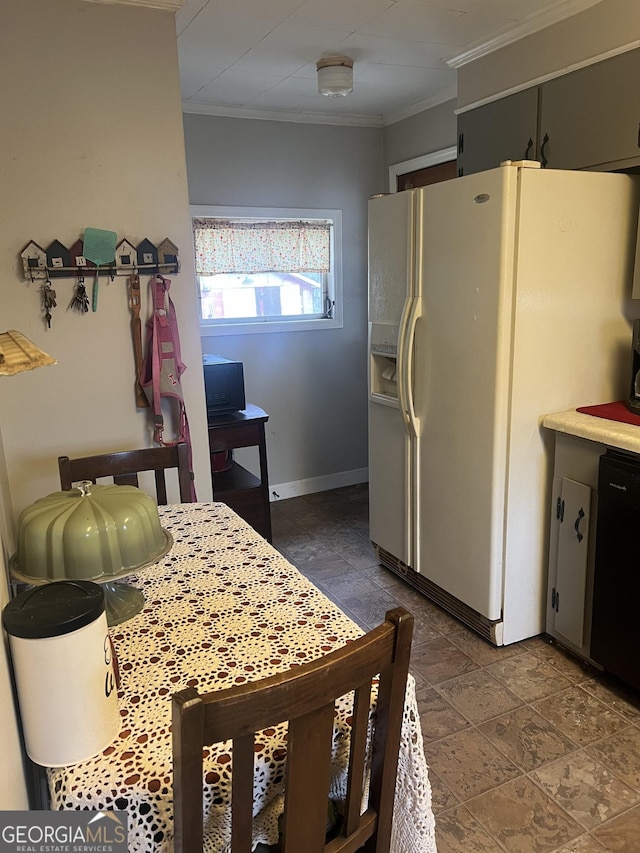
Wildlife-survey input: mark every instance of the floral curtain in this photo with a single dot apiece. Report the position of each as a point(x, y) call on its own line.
point(228, 246)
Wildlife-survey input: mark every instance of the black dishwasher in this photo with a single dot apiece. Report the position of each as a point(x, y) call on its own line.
point(615, 637)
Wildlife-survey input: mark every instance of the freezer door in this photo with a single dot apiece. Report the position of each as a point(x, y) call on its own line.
point(389, 483)
point(462, 363)
point(391, 257)
point(393, 312)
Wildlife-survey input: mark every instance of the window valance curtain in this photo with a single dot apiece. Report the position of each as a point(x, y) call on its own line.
point(228, 246)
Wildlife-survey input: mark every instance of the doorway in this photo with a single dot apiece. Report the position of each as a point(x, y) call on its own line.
point(426, 176)
point(421, 171)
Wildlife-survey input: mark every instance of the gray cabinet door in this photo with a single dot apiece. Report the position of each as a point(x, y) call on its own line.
point(573, 549)
point(502, 130)
point(590, 117)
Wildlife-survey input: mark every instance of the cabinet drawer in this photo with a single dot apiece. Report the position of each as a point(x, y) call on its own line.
point(226, 438)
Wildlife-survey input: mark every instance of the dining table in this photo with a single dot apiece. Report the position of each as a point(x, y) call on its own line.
point(224, 607)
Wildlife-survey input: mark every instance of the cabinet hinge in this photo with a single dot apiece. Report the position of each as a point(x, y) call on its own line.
point(560, 509)
point(555, 599)
point(460, 143)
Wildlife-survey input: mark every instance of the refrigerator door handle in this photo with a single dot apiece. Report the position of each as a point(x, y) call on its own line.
point(411, 313)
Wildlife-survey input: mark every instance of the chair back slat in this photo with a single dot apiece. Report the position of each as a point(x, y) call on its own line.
point(187, 726)
point(123, 468)
point(242, 794)
point(161, 487)
point(308, 777)
point(357, 757)
point(304, 697)
point(386, 739)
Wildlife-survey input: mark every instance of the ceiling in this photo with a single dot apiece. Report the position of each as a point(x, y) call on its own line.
point(257, 58)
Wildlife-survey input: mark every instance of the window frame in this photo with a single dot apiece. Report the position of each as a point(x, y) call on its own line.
point(247, 327)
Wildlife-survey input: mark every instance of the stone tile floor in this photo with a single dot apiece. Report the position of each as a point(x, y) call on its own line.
point(529, 750)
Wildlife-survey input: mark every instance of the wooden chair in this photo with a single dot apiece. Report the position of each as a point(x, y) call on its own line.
point(124, 467)
point(304, 696)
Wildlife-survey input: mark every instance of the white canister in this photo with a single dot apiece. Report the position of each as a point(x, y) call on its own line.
point(64, 671)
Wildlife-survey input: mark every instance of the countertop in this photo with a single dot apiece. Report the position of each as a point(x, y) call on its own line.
point(611, 433)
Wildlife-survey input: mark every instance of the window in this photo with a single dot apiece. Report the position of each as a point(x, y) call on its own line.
point(266, 270)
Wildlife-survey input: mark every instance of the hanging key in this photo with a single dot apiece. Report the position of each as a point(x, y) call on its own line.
point(48, 301)
point(80, 301)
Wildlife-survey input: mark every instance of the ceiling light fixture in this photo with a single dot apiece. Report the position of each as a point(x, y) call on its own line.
point(335, 76)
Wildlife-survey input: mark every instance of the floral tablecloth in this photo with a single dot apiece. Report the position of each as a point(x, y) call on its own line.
point(223, 607)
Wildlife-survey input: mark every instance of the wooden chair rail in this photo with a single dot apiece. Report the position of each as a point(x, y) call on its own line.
point(124, 467)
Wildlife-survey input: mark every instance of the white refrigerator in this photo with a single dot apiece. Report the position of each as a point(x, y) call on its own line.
point(494, 299)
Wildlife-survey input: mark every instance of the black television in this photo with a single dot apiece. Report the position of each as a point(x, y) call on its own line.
point(223, 385)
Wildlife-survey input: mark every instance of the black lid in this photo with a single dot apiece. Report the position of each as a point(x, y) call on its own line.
point(53, 609)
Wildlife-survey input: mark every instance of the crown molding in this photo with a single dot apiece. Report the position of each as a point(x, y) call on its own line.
point(532, 24)
point(544, 78)
point(347, 119)
point(168, 5)
point(199, 108)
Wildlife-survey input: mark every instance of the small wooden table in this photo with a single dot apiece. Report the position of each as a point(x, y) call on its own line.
point(224, 607)
point(245, 493)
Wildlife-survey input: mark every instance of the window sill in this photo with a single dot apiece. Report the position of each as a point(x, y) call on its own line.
point(216, 329)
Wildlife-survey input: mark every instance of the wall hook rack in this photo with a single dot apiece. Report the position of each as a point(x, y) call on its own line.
point(58, 261)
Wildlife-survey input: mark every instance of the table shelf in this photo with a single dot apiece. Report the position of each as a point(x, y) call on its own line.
point(236, 479)
point(241, 490)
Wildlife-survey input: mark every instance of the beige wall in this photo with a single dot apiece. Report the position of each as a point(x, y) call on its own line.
point(606, 27)
point(13, 793)
point(91, 136)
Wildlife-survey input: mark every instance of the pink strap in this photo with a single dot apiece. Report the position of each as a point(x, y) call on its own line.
point(164, 329)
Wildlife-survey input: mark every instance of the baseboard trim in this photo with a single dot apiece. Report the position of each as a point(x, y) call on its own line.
point(297, 488)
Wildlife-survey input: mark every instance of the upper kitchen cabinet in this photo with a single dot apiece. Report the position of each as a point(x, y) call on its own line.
point(591, 117)
point(502, 130)
point(588, 119)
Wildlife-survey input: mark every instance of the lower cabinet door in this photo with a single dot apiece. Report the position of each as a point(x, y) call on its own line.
point(569, 595)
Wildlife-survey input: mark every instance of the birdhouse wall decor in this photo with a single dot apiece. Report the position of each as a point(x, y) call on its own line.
point(34, 261)
point(78, 260)
point(167, 252)
point(126, 257)
point(58, 261)
point(147, 254)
